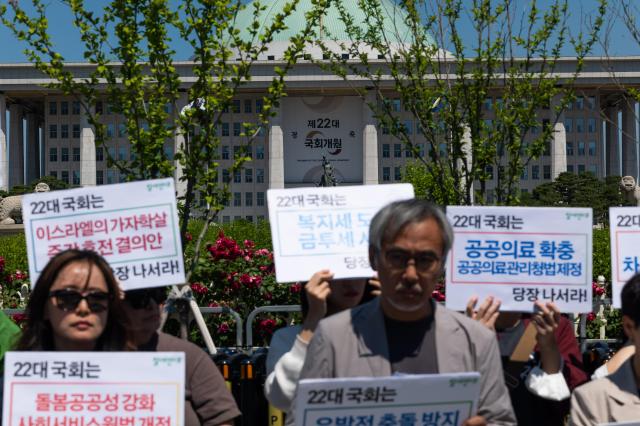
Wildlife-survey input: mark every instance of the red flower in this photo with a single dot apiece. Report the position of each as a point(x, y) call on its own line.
point(19, 275)
point(295, 288)
point(223, 328)
point(267, 296)
point(245, 279)
point(438, 296)
point(591, 316)
point(2, 263)
point(198, 288)
point(213, 305)
point(268, 326)
point(18, 318)
point(188, 236)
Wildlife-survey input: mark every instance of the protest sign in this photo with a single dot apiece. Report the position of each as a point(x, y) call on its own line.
point(318, 228)
point(133, 225)
point(395, 400)
point(621, 424)
point(624, 228)
point(93, 388)
point(520, 255)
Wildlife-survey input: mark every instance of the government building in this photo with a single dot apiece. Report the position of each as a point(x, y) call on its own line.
point(44, 133)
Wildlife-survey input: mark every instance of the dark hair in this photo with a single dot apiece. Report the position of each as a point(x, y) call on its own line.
point(389, 222)
point(38, 333)
point(630, 296)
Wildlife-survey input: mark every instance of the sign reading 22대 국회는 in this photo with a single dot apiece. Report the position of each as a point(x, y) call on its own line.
point(326, 228)
point(624, 226)
point(520, 255)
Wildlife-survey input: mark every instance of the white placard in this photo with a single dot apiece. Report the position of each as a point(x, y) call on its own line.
point(402, 399)
point(621, 424)
point(624, 228)
point(317, 228)
point(133, 225)
point(74, 388)
point(519, 255)
point(322, 126)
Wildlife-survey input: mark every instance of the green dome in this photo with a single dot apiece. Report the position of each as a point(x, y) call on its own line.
point(332, 26)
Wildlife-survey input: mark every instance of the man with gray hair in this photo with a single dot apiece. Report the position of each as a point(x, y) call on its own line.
point(403, 331)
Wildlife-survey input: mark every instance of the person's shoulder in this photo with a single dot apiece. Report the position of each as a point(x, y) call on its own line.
point(342, 320)
point(286, 333)
point(472, 327)
point(594, 390)
point(169, 343)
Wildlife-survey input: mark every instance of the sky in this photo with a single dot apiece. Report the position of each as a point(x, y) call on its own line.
point(65, 36)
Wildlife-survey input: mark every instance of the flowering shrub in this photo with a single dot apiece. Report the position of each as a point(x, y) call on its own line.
point(11, 285)
point(241, 277)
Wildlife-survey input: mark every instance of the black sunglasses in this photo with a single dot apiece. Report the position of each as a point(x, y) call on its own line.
point(141, 299)
point(68, 300)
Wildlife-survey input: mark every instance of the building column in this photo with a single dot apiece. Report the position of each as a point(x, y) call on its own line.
point(276, 151)
point(611, 140)
point(558, 143)
point(369, 142)
point(629, 141)
point(4, 163)
point(179, 141)
point(16, 147)
point(87, 152)
point(32, 148)
point(466, 162)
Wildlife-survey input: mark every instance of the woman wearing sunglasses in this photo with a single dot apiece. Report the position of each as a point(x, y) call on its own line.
point(75, 306)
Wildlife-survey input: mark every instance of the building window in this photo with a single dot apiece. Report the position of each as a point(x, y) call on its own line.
point(592, 148)
point(237, 177)
point(122, 153)
point(579, 125)
point(53, 174)
point(247, 106)
point(237, 129)
point(260, 198)
point(99, 107)
point(111, 176)
point(259, 175)
point(421, 150)
point(396, 173)
point(53, 131)
point(249, 218)
point(168, 152)
point(225, 129)
point(581, 168)
point(53, 108)
point(487, 104)
point(408, 126)
point(64, 176)
point(64, 108)
point(395, 105)
point(225, 152)
point(570, 168)
point(122, 130)
point(385, 150)
point(99, 154)
point(64, 131)
point(568, 125)
point(386, 174)
point(226, 219)
point(579, 102)
point(76, 154)
point(259, 104)
point(109, 109)
point(397, 150)
point(408, 151)
point(489, 171)
point(591, 125)
point(76, 177)
point(525, 173)
point(248, 175)
point(259, 152)
point(64, 154)
point(53, 154)
point(248, 199)
point(75, 108)
point(225, 176)
point(237, 199)
point(535, 172)
point(110, 130)
point(235, 106)
point(593, 169)
point(591, 102)
point(99, 177)
point(76, 131)
point(580, 148)
point(546, 171)
point(569, 148)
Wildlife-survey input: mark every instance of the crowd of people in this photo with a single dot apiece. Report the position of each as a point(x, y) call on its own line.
point(530, 365)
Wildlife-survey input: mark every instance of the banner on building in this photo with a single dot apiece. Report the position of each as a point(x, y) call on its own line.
point(320, 228)
point(520, 255)
point(328, 127)
point(133, 225)
point(87, 388)
point(624, 227)
point(396, 400)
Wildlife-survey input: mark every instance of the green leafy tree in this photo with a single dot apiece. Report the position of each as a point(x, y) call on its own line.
point(129, 45)
point(444, 83)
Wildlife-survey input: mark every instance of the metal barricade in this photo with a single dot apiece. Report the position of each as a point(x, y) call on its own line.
point(262, 309)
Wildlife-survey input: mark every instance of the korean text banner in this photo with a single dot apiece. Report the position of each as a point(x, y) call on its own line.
point(520, 255)
point(319, 228)
point(133, 225)
point(397, 400)
point(86, 388)
point(624, 226)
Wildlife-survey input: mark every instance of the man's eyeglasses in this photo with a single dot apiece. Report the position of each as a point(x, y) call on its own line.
point(141, 299)
point(68, 300)
point(423, 261)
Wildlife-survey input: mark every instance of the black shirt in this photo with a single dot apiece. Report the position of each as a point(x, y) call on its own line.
point(412, 346)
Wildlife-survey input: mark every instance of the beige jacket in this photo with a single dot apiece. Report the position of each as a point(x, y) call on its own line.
point(607, 400)
point(354, 344)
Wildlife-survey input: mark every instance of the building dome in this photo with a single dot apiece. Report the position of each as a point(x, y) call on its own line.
point(331, 26)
